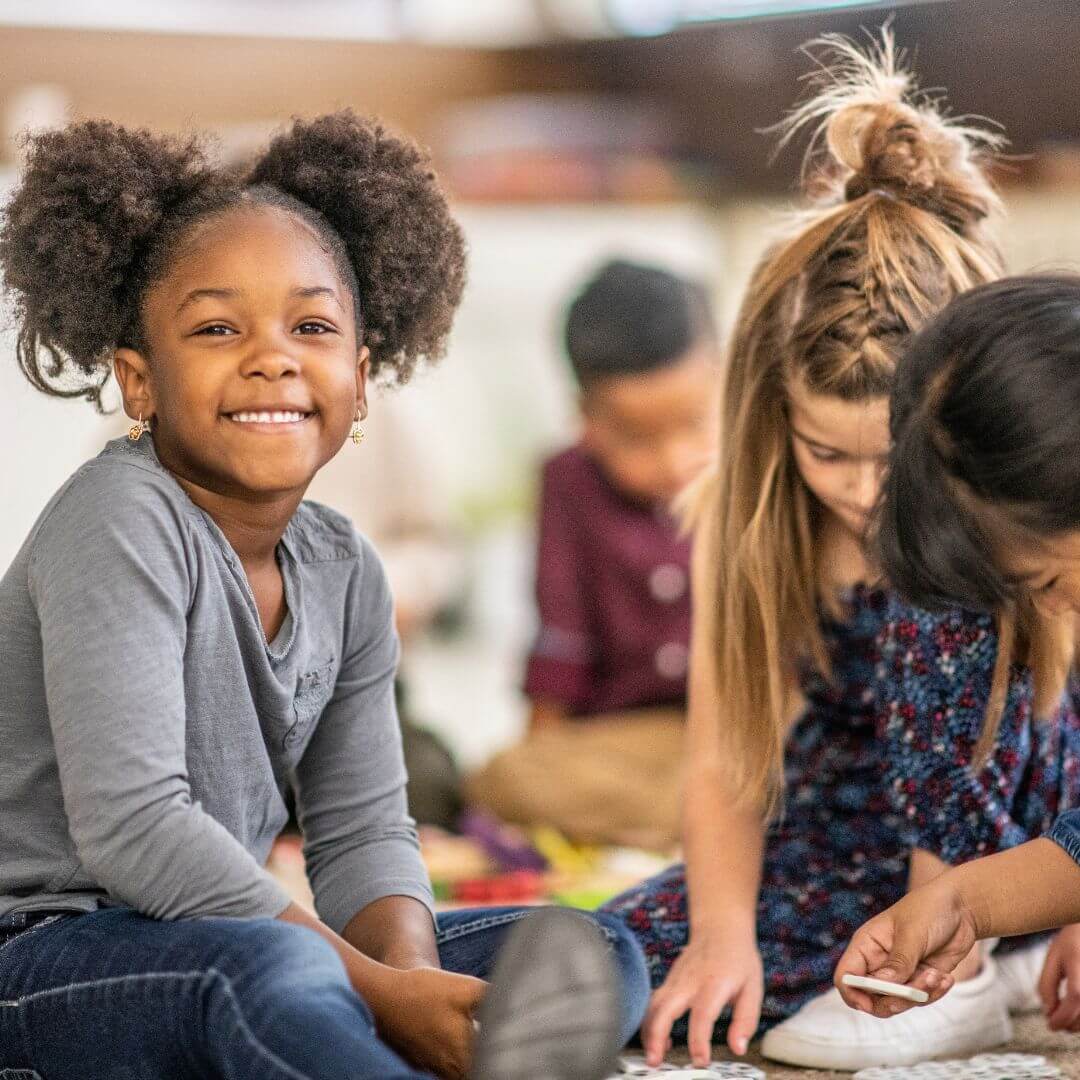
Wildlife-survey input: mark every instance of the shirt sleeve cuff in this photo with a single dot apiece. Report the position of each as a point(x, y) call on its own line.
point(1066, 834)
point(338, 911)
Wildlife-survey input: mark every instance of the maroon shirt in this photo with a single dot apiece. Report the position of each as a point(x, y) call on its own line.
point(613, 591)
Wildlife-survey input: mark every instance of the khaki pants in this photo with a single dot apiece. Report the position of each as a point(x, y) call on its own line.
point(614, 779)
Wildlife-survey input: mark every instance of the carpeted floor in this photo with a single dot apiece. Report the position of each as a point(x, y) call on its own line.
point(1031, 1038)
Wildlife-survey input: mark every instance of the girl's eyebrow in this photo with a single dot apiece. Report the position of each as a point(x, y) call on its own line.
point(813, 442)
point(825, 446)
point(317, 290)
point(302, 291)
point(199, 294)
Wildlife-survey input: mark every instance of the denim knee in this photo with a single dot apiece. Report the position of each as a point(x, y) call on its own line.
point(274, 966)
point(632, 970)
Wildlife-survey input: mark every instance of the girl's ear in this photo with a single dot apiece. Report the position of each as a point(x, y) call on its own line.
point(363, 363)
point(133, 377)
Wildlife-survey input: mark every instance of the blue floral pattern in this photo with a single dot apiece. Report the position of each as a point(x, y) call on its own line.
point(878, 764)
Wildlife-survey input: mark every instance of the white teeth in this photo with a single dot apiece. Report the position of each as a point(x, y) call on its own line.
point(267, 417)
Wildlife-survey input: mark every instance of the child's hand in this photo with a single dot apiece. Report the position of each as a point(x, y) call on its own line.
point(427, 1016)
point(1059, 986)
point(918, 941)
point(711, 972)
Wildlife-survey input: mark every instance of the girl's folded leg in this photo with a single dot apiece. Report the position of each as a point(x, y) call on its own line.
point(113, 992)
point(469, 942)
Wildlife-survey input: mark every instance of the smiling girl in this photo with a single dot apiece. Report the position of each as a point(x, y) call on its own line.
point(184, 638)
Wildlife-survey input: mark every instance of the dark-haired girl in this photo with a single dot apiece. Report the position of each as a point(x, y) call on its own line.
point(183, 638)
point(982, 507)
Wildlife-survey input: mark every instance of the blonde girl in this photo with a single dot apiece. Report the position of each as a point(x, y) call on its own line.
point(834, 738)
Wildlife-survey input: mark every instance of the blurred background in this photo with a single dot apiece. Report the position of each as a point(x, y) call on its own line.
point(566, 131)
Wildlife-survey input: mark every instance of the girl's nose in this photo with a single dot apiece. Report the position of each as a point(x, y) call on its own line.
point(268, 361)
point(866, 484)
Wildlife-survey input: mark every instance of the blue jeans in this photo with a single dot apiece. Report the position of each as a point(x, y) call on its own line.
point(113, 995)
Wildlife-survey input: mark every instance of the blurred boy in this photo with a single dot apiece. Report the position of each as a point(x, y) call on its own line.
point(607, 673)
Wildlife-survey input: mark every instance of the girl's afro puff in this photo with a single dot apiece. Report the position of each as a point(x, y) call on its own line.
point(382, 198)
point(101, 210)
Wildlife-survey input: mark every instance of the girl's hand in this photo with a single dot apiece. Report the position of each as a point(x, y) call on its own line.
point(427, 1016)
point(713, 970)
point(1059, 986)
point(918, 941)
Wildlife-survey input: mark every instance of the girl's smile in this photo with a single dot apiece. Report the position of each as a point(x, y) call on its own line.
point(272, 419)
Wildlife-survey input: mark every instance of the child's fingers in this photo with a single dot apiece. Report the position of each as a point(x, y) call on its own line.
point(932, 982)
point(1066, 1016)
point(1067, 1013)
point(468, 992)
point(745, 1018)
point(866, 951)
point(1050, 981)
point(703, 1016)
point(664, 1009)
point(859, 1000)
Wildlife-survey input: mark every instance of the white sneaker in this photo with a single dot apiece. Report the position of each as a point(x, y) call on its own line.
point(1019, 974)
point(826, 1034)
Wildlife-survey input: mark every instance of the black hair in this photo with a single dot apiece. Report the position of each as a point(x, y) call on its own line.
point(631, 318)
point(986, 441)
point(101, 210)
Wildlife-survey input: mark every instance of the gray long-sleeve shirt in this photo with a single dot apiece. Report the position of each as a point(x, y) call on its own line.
point(147, 729)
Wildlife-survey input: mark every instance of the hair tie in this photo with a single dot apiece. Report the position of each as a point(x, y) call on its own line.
point(859, 187)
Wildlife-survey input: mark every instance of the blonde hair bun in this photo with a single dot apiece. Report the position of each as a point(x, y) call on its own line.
point(876, 133)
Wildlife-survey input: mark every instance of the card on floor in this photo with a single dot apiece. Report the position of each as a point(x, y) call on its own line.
point(634, 1065)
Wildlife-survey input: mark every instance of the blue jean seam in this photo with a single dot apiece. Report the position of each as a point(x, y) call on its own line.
point(209, 975)
point(286, 1069)
point(52, 920)
point(490, 923)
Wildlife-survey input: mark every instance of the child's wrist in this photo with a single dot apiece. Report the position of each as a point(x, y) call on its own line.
point(726, 922)
point(961, 890)
point(373, 981)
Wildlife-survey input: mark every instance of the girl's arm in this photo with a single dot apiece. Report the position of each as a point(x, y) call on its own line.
point(723, 844)
point(397, 931)
point(920, 940)
point(111, 584)
point(1030, 888)
point(360, 845)
point(723, 841)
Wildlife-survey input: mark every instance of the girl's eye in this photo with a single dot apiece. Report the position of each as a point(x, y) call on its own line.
point(217, 330)
point(1050, 584)
point(315, 328)
point(823, 455)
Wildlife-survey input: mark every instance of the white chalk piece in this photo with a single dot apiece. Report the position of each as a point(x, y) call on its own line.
point(887, 989)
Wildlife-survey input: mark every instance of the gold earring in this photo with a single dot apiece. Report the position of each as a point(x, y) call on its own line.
point(357, 435)
point(136, 431)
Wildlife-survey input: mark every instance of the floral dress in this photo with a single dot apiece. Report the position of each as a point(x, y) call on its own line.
point(879, 764)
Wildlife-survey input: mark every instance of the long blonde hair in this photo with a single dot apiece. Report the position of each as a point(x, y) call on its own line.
point(895, 227)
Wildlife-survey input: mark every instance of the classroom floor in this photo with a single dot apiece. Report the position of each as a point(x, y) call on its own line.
point(1031, 1038)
